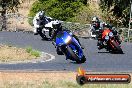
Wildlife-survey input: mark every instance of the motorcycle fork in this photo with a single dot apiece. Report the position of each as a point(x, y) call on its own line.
point(76, 47)
point(112, 44)
point(64, 51)
point(115, 41)
point(50, 32)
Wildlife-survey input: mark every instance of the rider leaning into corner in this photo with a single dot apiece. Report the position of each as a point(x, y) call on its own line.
point(39, 22)
point(98, 25)
point(58, 26)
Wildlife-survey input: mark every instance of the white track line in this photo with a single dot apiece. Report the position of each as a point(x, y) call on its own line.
point(52, 57)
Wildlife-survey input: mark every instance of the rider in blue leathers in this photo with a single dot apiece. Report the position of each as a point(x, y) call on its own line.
point(58, 26)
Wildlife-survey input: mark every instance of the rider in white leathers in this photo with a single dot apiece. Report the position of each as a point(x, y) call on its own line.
point(39, 21)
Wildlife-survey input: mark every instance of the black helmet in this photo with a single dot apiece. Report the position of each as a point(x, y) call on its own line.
point(41, 14)
point(95, 19)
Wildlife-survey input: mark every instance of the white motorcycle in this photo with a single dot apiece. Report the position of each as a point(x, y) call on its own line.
point(46, 32)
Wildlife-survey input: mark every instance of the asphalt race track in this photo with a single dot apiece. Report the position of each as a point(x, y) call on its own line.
point(96, 60)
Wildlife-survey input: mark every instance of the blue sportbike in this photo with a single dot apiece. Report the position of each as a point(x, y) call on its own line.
point(68, 45)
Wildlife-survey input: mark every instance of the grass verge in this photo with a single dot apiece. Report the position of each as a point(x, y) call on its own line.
point(33, 52)
point(10, 53)
point(48, 80)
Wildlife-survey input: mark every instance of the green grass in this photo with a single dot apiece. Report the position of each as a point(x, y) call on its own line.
point(65, 84)
point(61, 84)
point(33, 52)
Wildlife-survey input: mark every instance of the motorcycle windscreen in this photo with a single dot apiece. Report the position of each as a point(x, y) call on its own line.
point(61, 37)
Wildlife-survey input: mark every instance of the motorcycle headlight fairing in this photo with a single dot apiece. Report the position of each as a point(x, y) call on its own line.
point(110, 34)
point(67, 39)
point(106, 37)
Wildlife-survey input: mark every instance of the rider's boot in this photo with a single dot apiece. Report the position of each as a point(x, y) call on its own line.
point(54, 43)
point(35, 31)
point(100, 45)
point(67, 58)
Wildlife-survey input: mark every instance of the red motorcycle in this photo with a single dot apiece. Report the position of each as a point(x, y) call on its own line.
point(110, 43)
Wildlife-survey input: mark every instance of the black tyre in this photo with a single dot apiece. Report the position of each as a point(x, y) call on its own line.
point(81, 80)
point(83, 59)
point(59, 52)
point(47, 34)
point(42, 35)
point(118, 49)
point(75, 57)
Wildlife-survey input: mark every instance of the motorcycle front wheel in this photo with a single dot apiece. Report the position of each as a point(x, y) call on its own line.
point(117, 47)
point(75, 57)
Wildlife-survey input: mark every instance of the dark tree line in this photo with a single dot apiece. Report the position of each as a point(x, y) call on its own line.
point(118, 9)
point(59, 9)
point(8, 6)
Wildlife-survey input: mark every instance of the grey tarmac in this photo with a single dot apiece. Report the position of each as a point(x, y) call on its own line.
point(100, 61)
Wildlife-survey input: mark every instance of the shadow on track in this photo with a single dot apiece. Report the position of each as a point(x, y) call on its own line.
point(112, 52)
point(76, 63)
point(103, 52)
